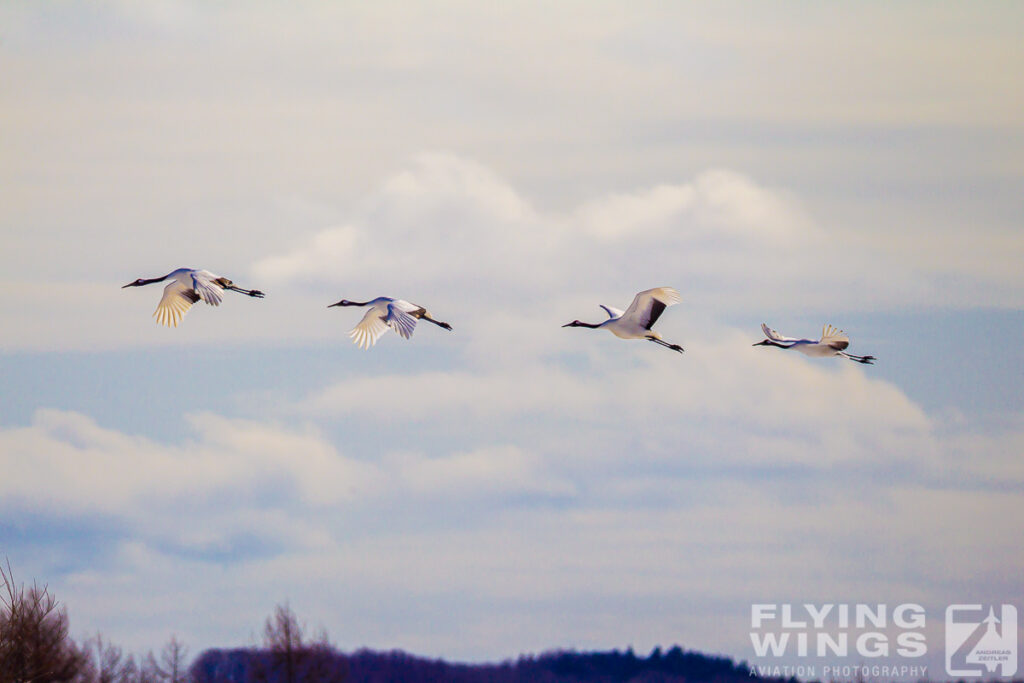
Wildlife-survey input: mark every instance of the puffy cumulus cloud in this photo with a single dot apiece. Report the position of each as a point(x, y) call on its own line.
point(234, 488)
point(723, 403)
point(484, 473)
point(235, 481)
point(445, 220)
point(320, 474)
point(718, 203)
point(326, 254)
point(451, 221)
point(448, 227)
point(443, 182)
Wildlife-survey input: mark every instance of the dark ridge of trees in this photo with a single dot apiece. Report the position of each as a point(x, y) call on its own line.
point(365, 666)
point(626, 666)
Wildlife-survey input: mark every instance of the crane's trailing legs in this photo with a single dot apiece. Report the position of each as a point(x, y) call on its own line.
point(249, 292)
point(426, 316)
point(866, 360)
point(674, 347)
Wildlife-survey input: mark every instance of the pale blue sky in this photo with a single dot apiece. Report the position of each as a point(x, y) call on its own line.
point(511, 486)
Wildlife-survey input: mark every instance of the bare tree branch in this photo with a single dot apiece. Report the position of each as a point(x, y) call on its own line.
point(34, 642)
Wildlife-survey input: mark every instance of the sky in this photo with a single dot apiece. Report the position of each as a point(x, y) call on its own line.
point(510, 486)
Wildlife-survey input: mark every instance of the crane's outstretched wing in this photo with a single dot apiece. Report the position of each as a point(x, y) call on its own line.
point(834, 338)
point(207, 288)
point(649, 304)
point(406, 307)
point(612, 311)
point(776, 337)
point(400, 321)
point(174, 304)
point(373, 325)
point(369, 329)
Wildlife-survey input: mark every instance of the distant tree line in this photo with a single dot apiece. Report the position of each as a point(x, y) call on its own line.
point(35, 648)
point(365, 666)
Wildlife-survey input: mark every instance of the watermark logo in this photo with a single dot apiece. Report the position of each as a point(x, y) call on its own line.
point(833, 630)
point(821, 640)
point(981, 641)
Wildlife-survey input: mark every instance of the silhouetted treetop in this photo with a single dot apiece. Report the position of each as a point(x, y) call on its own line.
point(366, 666)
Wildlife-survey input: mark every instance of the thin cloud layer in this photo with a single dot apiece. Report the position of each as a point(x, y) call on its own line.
point(65, 461)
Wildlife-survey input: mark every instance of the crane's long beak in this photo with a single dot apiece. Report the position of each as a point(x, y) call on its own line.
point(130, 284)
point(333, 305)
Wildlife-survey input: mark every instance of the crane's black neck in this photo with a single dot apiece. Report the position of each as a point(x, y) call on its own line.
point(149, 281)
point(346, 302)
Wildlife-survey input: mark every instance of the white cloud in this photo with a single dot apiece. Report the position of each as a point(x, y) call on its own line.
point(444, 220)
point(234, 477)
point(482, 473)
point(449, 226)
point(324, 253)
point(440, 182)
point(453, 395)
point(66, 461)
point(717, 204)
point(816, 409)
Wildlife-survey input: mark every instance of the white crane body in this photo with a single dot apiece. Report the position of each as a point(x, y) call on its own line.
point(385, 313)
point(833, 342)
point(186, 287)
point(637, 320)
